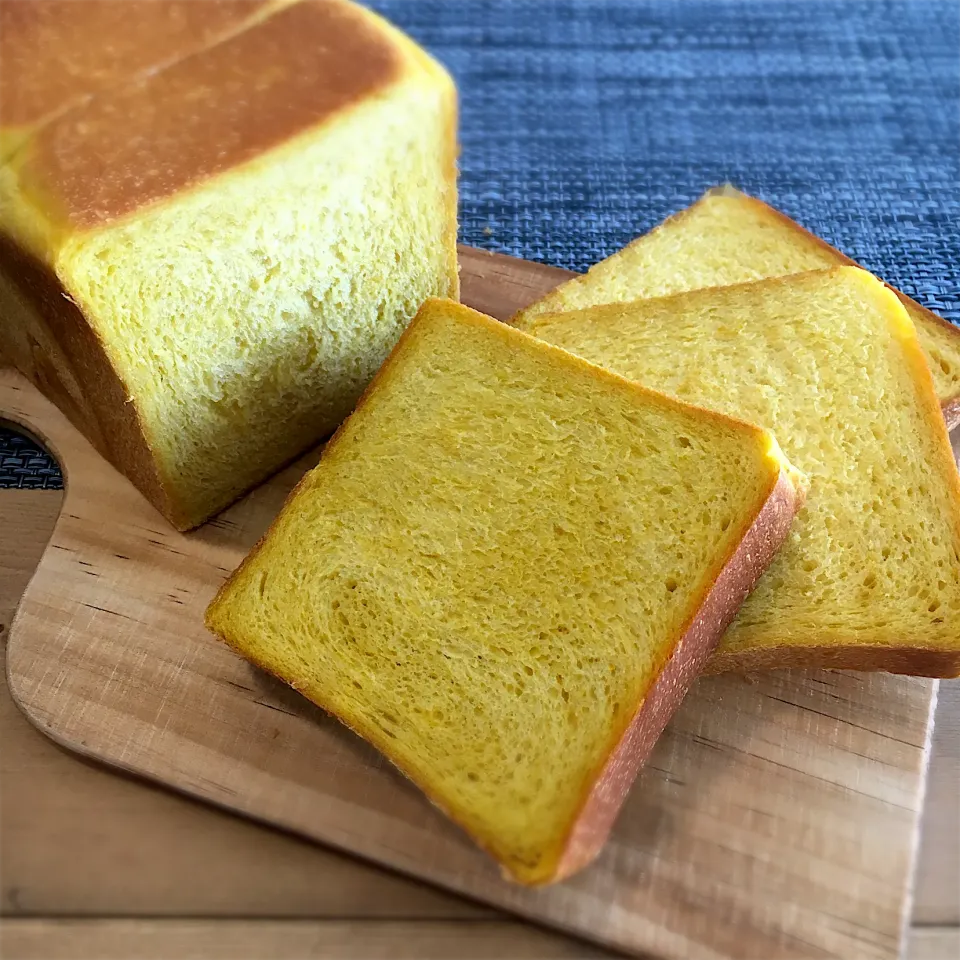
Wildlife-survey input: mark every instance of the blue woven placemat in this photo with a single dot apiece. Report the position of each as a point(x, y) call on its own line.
point(584, 123)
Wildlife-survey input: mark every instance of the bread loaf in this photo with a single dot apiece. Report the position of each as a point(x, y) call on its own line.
point(869, 578)
point(205, 265)
point(505, 572)
point(725, 238)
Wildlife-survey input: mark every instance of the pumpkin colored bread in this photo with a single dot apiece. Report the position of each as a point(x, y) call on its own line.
point(830, 361)
point(727, 237)
point(505, 572)
point(205, 263)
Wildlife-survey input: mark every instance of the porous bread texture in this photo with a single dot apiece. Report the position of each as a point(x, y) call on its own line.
point(310, 265)
point(870, 575)
point(726, 238)
point(493, 565)
point(243, 315)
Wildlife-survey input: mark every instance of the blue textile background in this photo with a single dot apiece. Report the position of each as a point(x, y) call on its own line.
point(585, 122)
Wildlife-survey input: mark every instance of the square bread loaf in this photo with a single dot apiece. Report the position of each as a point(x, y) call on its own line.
point(830, 360)
point(505, 572)
point(727, 237)
point(205, 260)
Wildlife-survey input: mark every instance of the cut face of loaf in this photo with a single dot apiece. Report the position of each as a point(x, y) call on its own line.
point(505, 572)
point(870, 575)
point(276, 208)
point(728, 238)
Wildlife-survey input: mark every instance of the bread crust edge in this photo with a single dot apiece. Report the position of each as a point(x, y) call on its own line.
point(112, 422)
point(736, 579)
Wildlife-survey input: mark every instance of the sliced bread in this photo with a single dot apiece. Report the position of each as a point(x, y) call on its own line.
point(830, 361)
point(728, 237)
point(505, 572)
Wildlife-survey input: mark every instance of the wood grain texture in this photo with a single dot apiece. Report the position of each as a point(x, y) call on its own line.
point(777, 817)
point(933, 943)
point(937, 893)
point(26, 523)
point(284, 940)
point(73, 939)
point(77, 840)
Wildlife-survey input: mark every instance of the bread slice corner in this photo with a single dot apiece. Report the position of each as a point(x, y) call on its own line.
point(728, 237)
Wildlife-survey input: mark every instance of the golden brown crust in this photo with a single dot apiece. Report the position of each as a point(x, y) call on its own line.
point(737, 578)
point(98, 44)
point(55, 347)
point(208, 114)
point(911, 661)
point(295, 65)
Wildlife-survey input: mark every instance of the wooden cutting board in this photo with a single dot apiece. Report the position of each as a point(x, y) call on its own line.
point(778, 817)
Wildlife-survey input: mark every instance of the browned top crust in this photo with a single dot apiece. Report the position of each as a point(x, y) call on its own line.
point(57, 52)
point(204, 115)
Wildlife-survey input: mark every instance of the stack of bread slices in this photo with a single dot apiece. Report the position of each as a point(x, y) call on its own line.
point(723, 448)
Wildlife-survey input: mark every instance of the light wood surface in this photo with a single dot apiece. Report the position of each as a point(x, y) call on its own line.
point(285, 940)
point(299, 939)
point(934, 943)
point(799, 721)
point(937, 892)
point(78, 840)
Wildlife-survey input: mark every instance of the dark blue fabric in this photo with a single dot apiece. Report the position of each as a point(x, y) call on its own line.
point(25, 464)
point(584, 123)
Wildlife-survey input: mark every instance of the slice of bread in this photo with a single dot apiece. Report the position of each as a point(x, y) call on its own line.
point(505, 572)
point(830, 361)
point(275, 209)
point(725, 238)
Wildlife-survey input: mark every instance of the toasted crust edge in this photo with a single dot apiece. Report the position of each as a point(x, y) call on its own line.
point(901, 660)
point(110, 421)
point(113, 424)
